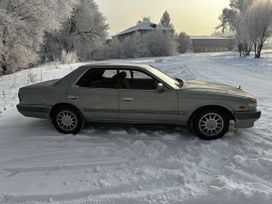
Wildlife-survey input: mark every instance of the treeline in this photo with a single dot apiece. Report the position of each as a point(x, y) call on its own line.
point(71, 44)
point(250, 21)
point(38, 31)
point(161, 42)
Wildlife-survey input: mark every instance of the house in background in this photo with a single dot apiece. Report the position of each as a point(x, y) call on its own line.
point(141, 28)
point(199, 43)
point(212, 44)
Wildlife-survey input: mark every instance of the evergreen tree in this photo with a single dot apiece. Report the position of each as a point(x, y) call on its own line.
point(166, 20)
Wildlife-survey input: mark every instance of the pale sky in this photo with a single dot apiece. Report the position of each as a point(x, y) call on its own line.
point(195, 17)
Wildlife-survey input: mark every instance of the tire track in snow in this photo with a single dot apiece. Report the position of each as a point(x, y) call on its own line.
point(18, 170)
point(141, 189)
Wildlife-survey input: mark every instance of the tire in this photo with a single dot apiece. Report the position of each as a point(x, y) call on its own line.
point(210, 124)
point(67, 120)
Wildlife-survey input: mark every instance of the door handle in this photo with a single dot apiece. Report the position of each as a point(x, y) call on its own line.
point(127, 99)
point(73, 97)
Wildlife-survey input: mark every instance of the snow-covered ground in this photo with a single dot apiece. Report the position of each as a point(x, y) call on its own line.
point(111, 164)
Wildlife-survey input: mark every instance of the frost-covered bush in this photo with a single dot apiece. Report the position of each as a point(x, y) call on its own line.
point(151, 44)
point(184, 42)
point(160, 43)
point(68, 57)
point(115, 49)
point(31, 76)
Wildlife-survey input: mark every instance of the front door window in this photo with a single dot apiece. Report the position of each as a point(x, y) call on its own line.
point(134, 79)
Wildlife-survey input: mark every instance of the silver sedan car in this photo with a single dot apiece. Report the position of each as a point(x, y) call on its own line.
point(137, 94)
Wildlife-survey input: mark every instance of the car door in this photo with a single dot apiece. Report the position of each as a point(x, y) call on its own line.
point(140, 102)
point(96, 94)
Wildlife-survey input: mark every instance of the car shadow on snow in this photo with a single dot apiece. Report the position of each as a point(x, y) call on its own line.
point(40, 127)
point(44, 128)
point(122, 133)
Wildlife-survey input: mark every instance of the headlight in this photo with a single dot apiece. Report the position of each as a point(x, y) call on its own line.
point(252, 106)
point(248, 107)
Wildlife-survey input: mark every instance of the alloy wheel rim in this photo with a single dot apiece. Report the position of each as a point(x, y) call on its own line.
point(67, 120)
point(211, 124)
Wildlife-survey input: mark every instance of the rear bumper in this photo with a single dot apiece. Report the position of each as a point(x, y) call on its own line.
point(246, 119)
point(33, 111)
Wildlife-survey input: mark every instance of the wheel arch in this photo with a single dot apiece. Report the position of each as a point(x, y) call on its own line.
point(60, 105)
point(217, 107)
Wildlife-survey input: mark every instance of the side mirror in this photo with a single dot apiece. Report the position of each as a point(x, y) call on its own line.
point(160, 87)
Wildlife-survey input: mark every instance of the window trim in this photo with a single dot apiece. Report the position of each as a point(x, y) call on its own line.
point(143, 71)
point(169, 87)
point(118, 68)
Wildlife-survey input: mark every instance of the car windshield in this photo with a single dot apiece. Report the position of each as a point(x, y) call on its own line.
point(168, 79)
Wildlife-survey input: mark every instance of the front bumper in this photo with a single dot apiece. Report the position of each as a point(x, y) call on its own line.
point(246, 119)
point(33, 111)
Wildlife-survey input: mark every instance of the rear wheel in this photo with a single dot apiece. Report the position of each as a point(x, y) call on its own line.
point(210, 124)
point(67, 120)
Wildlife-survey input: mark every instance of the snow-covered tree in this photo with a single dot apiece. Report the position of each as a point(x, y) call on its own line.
point(22, 27)
point(259, 22)
point(166, 20)
point(184, 42)
point(228, 19)
point(241, 5)
point(83, 33)
point(145, 19)
point(243, 36)
point(233, 21)
point(249, 20)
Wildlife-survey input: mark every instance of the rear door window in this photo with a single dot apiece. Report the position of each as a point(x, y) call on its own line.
point(99, 78)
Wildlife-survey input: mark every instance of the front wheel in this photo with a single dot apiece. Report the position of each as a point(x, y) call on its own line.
point(67, 120)
point(210, 124)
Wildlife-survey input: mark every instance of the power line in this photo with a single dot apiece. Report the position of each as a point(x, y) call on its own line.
point(195, 27)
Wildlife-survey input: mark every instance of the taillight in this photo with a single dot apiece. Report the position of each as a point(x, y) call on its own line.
point(20, 99)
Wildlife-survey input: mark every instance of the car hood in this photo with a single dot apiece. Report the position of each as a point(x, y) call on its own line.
point(214, 88)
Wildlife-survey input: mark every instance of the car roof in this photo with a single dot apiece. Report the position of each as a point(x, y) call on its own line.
point(82, 69)
point(116, 65)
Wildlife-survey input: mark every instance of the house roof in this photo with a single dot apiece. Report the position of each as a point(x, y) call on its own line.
point(143, 26)
point(209, 38)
